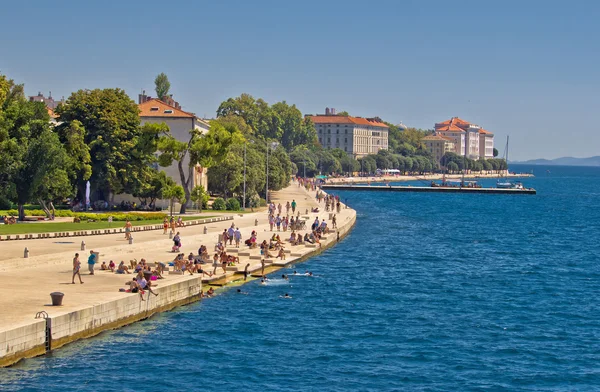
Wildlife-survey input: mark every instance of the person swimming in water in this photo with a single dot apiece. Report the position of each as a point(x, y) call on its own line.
point(262, 281)
point(286, 295)
point(239, 291)
point(284, 277)
point(210, 292)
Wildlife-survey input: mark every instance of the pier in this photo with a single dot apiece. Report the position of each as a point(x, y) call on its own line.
point(429, 189)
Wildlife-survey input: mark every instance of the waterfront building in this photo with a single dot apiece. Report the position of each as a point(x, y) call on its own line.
point(180, 123)
point(438, 145)
point(357, 136)
point(470, 139)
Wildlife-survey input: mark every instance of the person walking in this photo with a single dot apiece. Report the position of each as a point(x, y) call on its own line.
point(287, 208)
point(293, 206)
point(237, 235)
point(127, 229)
point(230, 234)
point(76, 268)
point(91, 261)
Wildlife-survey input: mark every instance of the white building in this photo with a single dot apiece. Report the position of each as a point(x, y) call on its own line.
point(356, 135)
point(438, 145)
point(470, 140)
point(180, 123)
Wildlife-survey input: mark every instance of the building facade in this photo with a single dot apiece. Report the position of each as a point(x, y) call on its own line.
point(439, 145)
point(155, 111)
point(469, 139)
point(355, 135)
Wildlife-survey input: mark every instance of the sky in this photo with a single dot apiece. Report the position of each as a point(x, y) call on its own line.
point(528, 69)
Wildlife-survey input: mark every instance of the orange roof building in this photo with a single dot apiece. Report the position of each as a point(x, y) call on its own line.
point(180, 123)
point(469, 139)
point(357, 136)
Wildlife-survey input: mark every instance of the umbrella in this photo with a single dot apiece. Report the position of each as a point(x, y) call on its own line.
point(87, 195)
point(321, 176)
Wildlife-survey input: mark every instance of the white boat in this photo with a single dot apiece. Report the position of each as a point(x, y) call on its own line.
point(505, 183)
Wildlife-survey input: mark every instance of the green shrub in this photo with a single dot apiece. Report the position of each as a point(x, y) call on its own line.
point(233, 204)
point(219, 204)
point(5, 204)
point(84, 216)
point(262, 202)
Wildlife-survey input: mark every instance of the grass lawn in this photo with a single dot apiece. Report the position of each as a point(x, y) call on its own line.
point(52, 227)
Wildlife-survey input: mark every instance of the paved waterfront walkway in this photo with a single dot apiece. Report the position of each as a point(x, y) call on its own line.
point(27, 283)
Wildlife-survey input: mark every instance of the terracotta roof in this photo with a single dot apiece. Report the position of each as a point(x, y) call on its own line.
point(483, 131)
point(448, 128)
point(346, 120)
point(51, 113)
point(157, 108)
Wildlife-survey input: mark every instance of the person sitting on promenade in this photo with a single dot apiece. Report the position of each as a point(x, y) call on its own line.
point(308, 239)
point(111, 266)
point(315, 238)
point(180, 222)
point(203, 272)
point(219, 247)
point(191, 257)
point(292, 238)
point(251, 242)
point(103, 266)
point(281, 254)
point(122, 268)
point(157, 273)
point(315, 209)
point(134, 287)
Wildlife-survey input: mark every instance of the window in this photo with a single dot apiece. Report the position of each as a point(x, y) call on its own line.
point(168, 111)
point(338, 131)
point(346, 140)
point(154, 109)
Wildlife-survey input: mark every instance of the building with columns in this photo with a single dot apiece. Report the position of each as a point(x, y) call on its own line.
point(469, 139)
point(357, 136)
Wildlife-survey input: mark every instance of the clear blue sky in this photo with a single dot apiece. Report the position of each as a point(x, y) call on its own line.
point(529, 69)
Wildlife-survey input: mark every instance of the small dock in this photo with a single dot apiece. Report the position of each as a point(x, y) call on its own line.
point(430, 189)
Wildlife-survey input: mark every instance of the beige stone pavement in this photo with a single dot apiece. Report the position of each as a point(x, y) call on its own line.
point(25, 284)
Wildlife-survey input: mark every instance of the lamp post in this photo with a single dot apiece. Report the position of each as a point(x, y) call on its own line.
point(274, 146)
point(244, 200)
point(304, 165)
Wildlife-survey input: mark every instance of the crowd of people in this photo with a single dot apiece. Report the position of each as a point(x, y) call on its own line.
point(280, 217)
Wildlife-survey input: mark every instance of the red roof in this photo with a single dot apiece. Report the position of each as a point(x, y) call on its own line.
point(448, 128)
point(157, 108)
point(346, 120)
point(483, 131)
point(438, 137)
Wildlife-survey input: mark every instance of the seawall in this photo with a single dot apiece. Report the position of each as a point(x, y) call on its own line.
point(45, 334)
point(42, 335)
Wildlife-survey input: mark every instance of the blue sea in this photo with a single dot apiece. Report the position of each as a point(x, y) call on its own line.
point(430, 292)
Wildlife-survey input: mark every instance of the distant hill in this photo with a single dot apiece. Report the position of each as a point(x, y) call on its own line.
point(564, 161)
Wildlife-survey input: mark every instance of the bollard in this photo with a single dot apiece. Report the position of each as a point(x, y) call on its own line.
point(205, 230)
point(82, 245)
point(26, 253)
point(130, 239)
point(170, 235)
point(255, 222)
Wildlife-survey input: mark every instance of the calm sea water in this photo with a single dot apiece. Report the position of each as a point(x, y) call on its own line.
point(429, 292)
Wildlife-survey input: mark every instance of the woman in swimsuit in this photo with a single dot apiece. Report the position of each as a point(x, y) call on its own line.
point(76, 268)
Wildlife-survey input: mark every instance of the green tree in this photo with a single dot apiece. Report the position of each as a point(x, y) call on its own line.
point(113, 134)
point(174, 193)
point(201, 149)
point(199, 196)
point(452, 167)
point(150, 189)
point(495, 153)
point(162, 85)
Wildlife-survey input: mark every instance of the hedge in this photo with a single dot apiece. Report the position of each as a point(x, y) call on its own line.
point(117, 216)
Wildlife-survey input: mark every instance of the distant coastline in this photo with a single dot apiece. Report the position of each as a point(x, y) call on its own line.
point(564, 161)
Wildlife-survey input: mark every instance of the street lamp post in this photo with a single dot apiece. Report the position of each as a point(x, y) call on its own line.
point(274, 146)
point(244, 200)
point(304, 165)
